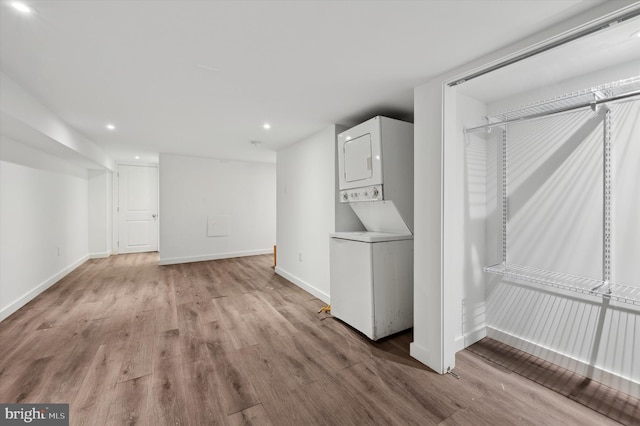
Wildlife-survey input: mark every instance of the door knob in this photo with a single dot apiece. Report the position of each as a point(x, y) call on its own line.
point(154, 215)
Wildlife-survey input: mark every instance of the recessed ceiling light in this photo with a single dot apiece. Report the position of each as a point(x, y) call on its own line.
point(635, 34)
point(266, 126)
point(21, 7)
point(110, 127)
point(137, 157)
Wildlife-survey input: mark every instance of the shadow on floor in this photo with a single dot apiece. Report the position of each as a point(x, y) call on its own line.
point(607, 401)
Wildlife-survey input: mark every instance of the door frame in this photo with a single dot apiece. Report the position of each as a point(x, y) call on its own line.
point(115, 214)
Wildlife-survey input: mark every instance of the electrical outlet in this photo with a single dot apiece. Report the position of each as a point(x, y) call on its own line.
point(58, 251)
point(300, 257)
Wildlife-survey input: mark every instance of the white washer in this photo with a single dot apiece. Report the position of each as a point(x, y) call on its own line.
point(372, 281)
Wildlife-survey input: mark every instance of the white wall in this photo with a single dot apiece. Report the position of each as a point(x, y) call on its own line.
point(100, 198)
point(308, 210)
point(470, 314)
point(50, 211)
point(32, 123)
point(238, 196)
point(43, 222)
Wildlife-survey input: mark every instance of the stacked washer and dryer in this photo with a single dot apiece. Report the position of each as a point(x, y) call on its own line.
point(372, 271)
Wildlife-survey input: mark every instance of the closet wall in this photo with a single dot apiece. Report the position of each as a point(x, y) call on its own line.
point(470, 321)
point(555, 178)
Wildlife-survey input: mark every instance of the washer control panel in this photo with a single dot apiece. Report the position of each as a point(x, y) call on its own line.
point(366, 193)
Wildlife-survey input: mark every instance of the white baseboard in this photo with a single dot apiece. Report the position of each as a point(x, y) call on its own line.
point(99, 255)
point(30, 295)
point(468, 339)
point(474, 336)
point(303, 285)
point(600, 375)
point(217, 256)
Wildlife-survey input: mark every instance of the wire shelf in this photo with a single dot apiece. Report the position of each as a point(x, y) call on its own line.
point(569, 100)
point(590, 286)
point(625, 293)
point(611, 92)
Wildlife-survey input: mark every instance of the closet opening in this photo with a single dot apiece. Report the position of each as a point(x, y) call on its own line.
point(541, 166)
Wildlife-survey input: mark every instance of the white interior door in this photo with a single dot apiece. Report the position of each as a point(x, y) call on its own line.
point(137, 209)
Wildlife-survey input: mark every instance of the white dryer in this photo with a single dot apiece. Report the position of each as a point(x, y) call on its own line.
point(375, 170)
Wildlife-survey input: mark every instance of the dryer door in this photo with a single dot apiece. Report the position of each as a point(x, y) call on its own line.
point(359, 160)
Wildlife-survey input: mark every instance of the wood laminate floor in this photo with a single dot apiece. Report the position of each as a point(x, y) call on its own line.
point(228, 342)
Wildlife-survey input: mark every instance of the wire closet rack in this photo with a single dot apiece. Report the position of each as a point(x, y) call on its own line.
point(586, 98)
point(593, 98)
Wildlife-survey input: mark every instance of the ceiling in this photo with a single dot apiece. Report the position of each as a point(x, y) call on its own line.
point(616, 47)
point(202, 77)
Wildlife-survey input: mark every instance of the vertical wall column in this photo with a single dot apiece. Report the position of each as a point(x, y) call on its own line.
point(99, 213)
point(427, 345)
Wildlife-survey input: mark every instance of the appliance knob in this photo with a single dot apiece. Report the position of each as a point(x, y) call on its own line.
point(345, 196)
point(375, 192)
